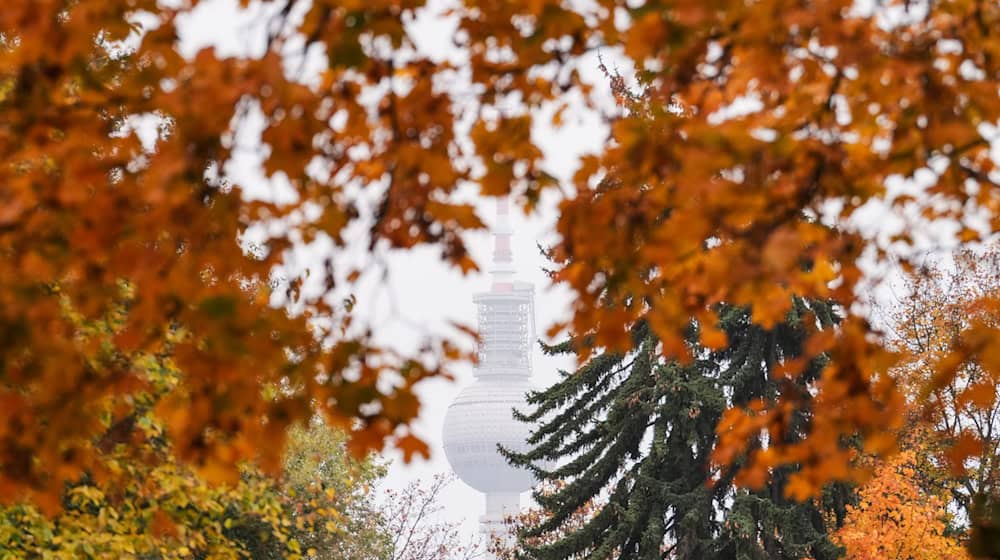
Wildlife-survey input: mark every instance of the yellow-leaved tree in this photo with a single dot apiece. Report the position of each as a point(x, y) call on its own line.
point(895, 519)
point(137, 500)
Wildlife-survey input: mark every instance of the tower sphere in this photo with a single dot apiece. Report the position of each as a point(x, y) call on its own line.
point(478, 420)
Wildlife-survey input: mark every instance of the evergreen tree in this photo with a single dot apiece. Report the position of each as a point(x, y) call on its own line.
point(636, 431)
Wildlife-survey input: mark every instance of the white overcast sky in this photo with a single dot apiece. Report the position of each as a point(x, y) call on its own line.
point(422, 294)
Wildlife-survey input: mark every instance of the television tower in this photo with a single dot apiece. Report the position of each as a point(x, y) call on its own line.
point(480, 418)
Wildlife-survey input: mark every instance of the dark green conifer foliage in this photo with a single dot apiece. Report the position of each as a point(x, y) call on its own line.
point(635, 432)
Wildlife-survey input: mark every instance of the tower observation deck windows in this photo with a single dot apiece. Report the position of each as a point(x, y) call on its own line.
point(505, 334)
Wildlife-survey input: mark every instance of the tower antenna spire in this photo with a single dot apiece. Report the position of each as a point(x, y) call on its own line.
point(503, 257)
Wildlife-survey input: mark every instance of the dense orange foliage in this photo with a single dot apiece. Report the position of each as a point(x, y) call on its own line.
point(713, 202)
point(88, 217)
point(749, 128)
point(895, 520)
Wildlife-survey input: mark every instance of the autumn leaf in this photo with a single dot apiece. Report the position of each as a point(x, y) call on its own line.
point(162, 525)
point(411, 445)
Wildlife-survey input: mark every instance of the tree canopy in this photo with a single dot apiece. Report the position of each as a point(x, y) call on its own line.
point(955, 424)
point(322, 506)
point(635, 433)
point(749, 138)
point(894, 519)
